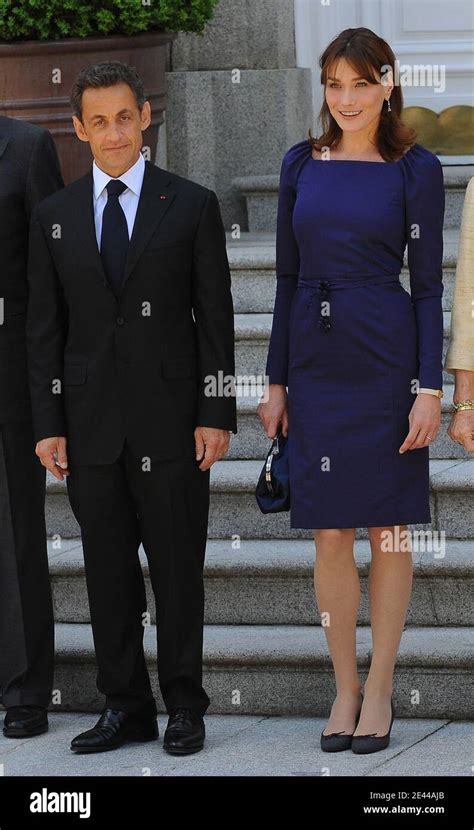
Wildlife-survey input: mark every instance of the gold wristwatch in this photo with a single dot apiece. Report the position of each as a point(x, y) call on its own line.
point(438, 393)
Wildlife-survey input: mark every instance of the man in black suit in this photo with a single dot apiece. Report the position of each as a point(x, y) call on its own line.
point(130, 320)
point(29, 171)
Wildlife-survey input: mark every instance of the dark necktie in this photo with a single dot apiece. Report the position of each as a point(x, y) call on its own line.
point(114, 237)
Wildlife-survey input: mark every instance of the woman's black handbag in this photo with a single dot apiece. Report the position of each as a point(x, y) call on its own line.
point(273, 488)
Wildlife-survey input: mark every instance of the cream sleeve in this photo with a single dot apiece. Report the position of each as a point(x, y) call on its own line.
point(460, 354)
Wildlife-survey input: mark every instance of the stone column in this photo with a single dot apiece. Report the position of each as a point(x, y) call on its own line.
point(236, 100)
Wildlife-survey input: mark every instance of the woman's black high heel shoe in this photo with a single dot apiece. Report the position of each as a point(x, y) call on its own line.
point(338, 741)
point(364, 744)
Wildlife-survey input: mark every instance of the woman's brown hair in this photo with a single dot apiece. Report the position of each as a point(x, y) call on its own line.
point(367, 53)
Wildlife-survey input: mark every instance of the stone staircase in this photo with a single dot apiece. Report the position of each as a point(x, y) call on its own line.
point(264, 649)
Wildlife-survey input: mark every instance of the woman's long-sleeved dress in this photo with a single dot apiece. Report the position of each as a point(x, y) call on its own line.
point(347, 339)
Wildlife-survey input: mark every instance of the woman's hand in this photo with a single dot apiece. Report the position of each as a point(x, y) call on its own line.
point(274, 410)
point(461, 428)
point(424, 419)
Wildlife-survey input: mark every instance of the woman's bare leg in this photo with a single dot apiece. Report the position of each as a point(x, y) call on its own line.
point(390, 585)
point(337, 589)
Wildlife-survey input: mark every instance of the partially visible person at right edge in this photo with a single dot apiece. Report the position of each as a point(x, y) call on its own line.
point(29, 171)
point(460, 355)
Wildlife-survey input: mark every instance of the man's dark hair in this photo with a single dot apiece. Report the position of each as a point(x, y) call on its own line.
point(106, 74)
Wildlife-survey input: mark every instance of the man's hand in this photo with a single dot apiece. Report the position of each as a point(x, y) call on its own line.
point(50, 450)
point(210, 443)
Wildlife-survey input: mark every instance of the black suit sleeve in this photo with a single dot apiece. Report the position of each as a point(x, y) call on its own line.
point(214, 316)
point(45, 337)
point(44, 173)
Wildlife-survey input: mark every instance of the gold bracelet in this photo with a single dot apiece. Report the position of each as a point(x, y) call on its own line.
point(463, 405)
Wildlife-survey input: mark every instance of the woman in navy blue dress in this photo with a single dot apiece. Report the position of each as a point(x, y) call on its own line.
point(361, 359)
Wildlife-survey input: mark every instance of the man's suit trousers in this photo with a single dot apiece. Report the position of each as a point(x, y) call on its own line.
point(26, 611)
point(165, 507)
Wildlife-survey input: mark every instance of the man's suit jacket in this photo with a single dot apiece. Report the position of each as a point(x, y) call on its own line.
point(135, 367)
point(29, 171)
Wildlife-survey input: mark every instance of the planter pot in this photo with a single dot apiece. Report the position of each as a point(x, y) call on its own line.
point(37, 77)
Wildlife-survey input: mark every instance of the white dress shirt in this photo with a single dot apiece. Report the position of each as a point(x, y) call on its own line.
point(133, 178)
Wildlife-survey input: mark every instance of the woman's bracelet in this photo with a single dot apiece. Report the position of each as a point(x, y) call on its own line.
point(458, 407)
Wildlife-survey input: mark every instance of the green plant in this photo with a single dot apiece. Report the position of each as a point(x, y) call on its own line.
point(55, 19)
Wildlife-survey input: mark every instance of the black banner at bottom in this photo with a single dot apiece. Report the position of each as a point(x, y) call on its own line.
point(372, 802)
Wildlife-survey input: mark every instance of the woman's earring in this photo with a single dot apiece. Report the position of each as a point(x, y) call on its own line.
point(389, 108)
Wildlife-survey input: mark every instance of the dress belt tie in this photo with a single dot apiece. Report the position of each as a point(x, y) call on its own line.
point(323, 285)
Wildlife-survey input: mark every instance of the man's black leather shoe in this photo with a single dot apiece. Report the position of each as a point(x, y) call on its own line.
point(25, 721)
point(113, 729)
point(185, 732)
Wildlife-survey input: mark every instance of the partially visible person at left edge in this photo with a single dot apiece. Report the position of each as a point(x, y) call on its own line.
point(29, 171)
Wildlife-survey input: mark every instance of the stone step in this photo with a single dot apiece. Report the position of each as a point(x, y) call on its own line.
point(251, 440)
point(234, 510)
point(261, 196)
point(252, 336)
point(271, 583)
point(259, 669)
point(252, 263)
